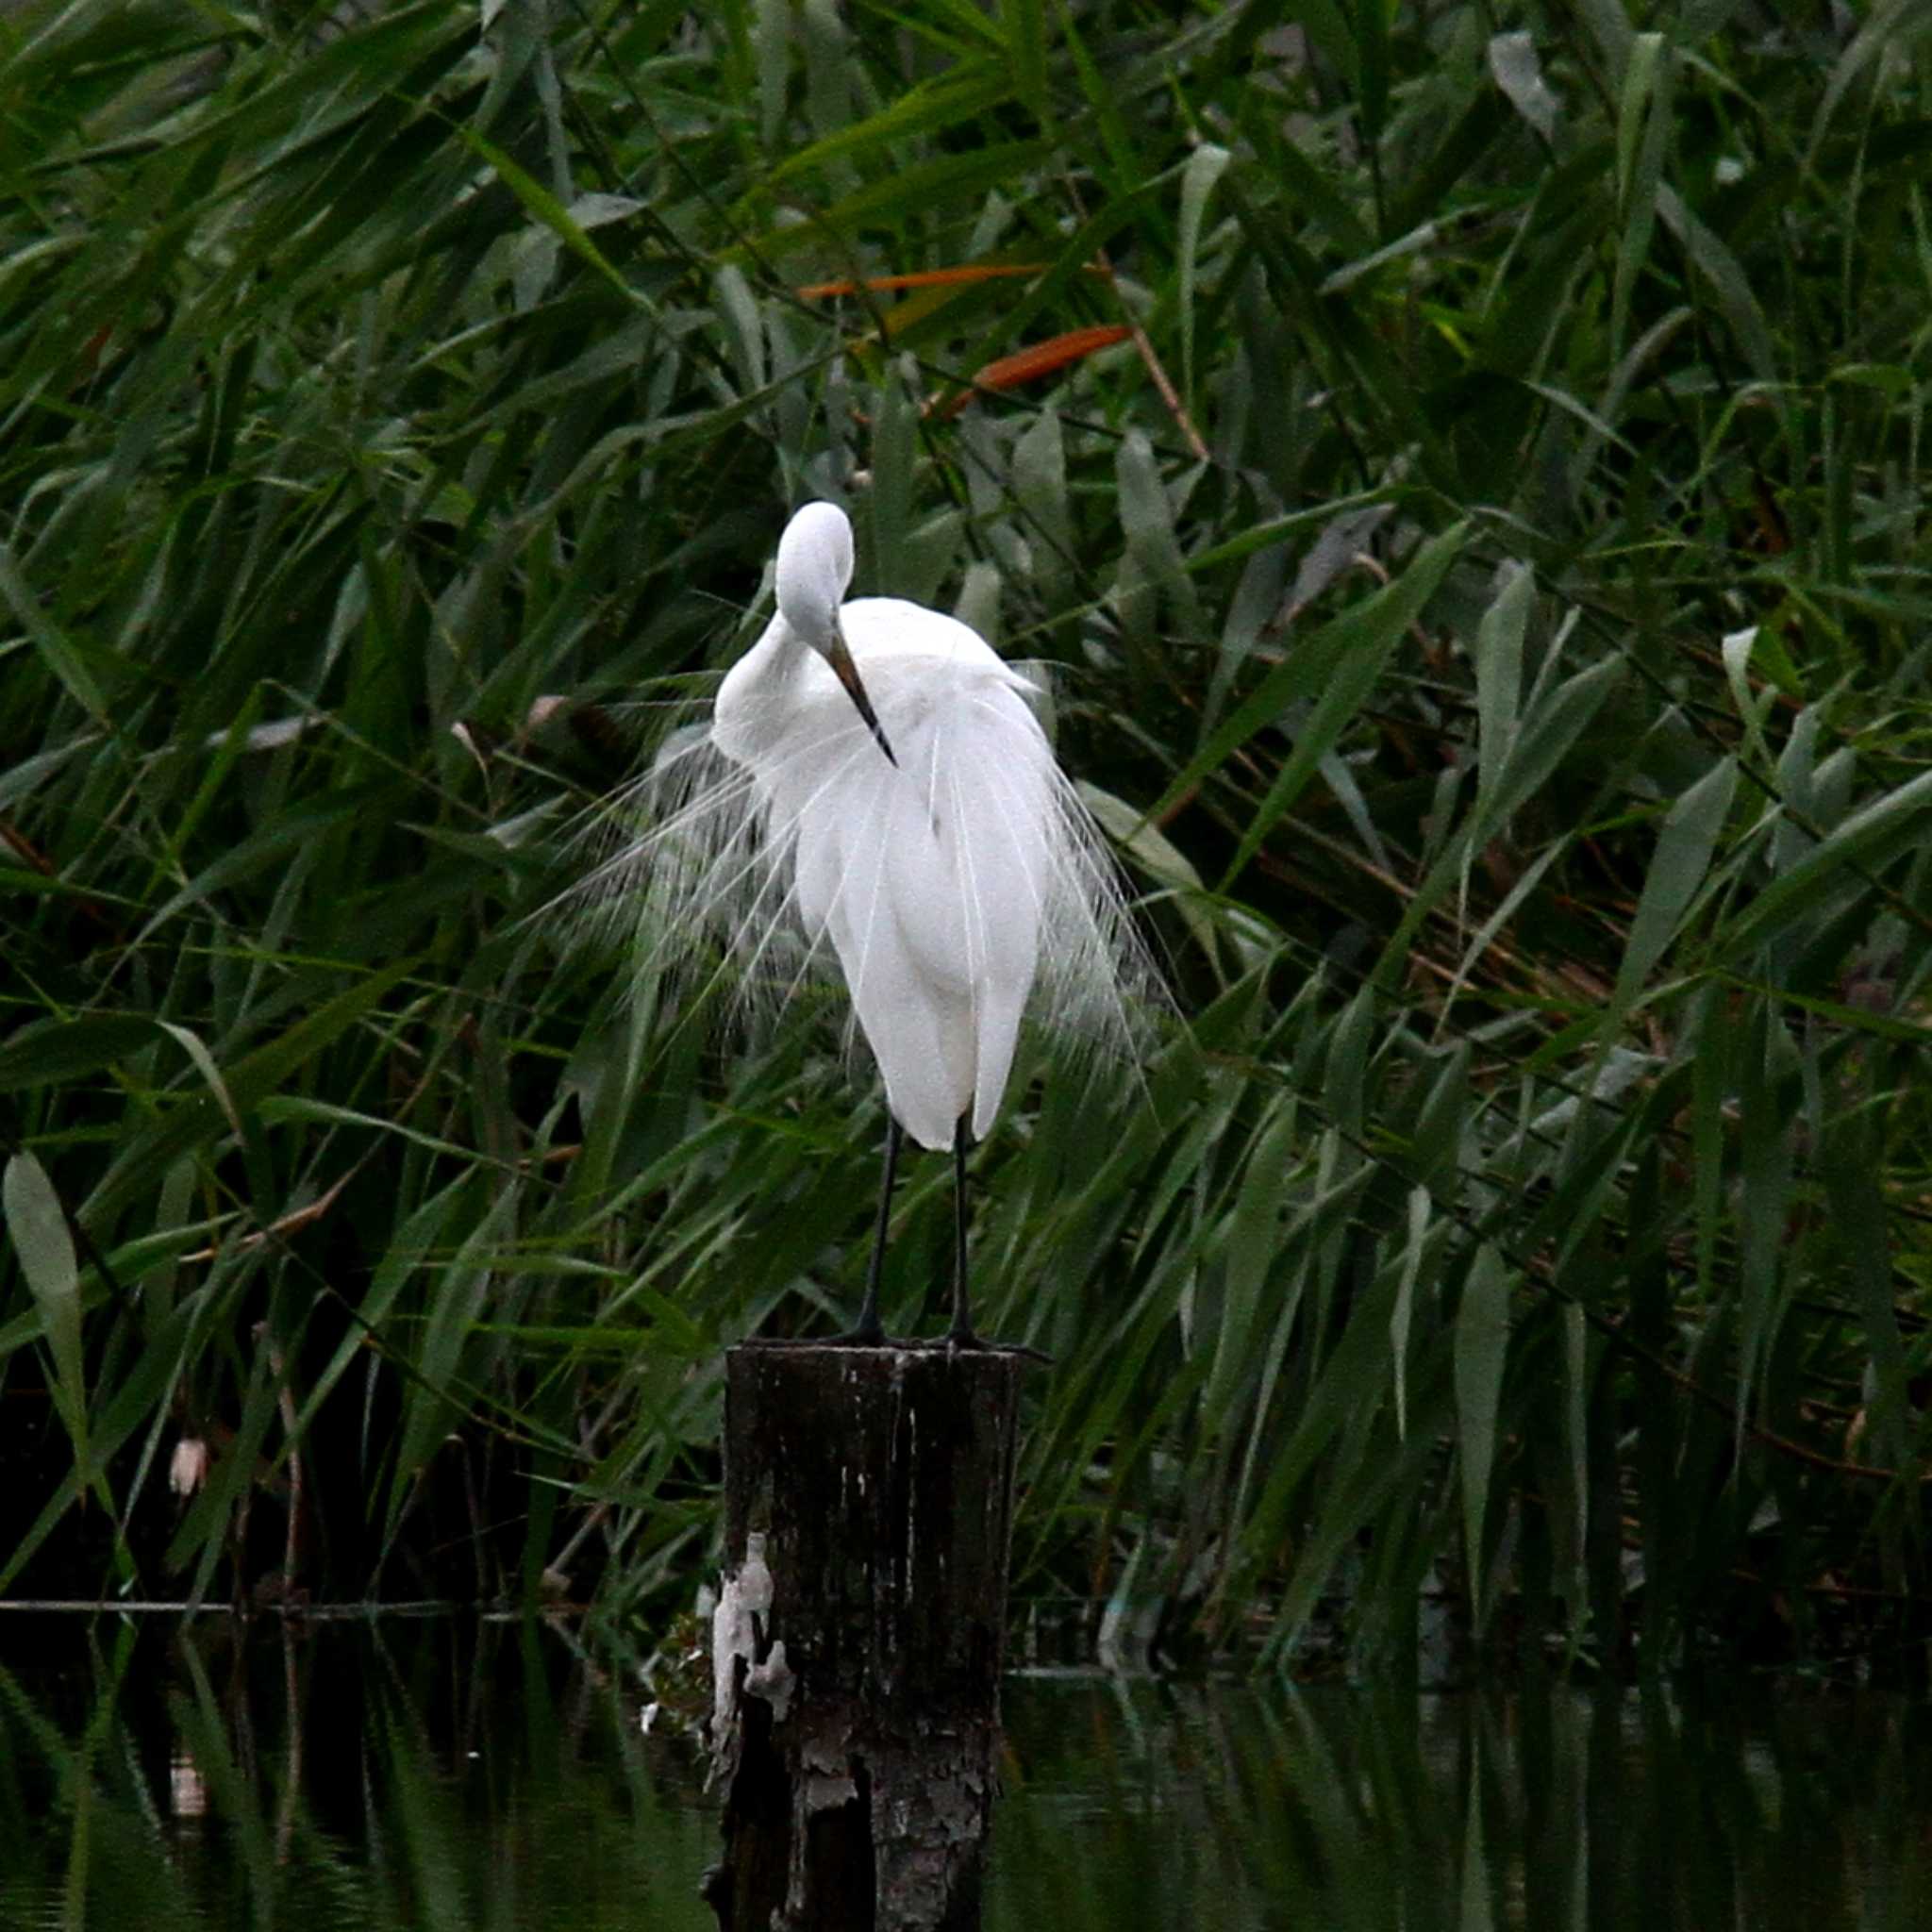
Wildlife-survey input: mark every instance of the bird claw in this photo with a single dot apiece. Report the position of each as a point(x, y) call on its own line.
point(960, 1342)
point(965, 1343)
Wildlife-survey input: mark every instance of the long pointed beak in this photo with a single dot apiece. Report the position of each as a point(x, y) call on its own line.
point(839, 658)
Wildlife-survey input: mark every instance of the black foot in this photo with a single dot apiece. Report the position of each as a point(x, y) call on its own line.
point(958, 1341)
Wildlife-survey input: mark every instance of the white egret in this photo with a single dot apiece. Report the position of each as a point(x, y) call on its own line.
point(884, 790)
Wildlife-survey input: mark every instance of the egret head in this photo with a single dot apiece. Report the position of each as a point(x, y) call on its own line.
point(814, 569)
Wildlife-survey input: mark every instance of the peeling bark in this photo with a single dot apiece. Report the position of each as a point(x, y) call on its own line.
point(858, 1633)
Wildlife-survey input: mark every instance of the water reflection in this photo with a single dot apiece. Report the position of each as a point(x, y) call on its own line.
point(1549, 1808)
point(397, 1776)
point(370, 1777)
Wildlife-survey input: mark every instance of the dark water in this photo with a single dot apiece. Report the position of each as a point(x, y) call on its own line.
point(425, 1776)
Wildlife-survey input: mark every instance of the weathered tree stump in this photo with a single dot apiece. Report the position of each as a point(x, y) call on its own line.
point(859, 1634)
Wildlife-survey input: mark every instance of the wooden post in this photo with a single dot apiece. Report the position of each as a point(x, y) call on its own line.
point(858, 1633)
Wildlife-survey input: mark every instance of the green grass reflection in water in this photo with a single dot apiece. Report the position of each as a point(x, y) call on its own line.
point(497, 1777)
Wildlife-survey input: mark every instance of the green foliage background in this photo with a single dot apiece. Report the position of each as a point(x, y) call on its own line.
point(1489, 593)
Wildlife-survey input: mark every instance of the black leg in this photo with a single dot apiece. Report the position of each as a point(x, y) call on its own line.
point(867, 1332)
point(960, 1334)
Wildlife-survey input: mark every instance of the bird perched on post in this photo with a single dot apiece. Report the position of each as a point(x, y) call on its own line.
point(882, 790)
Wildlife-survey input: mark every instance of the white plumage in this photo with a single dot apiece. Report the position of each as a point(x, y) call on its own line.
point(931, 876)
point(883, 787)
